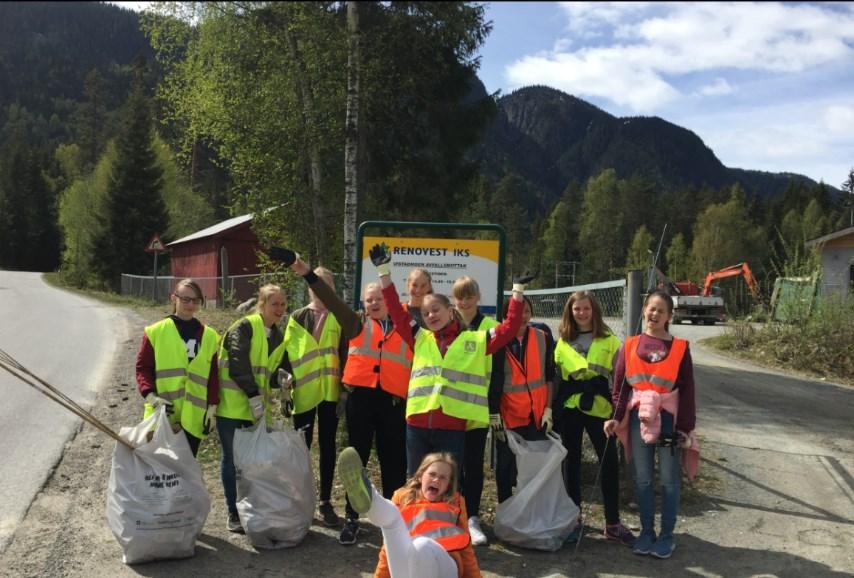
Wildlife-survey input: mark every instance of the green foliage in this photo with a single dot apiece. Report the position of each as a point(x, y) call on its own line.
point(638, 256)
point(679, 265)
point(188, 211)
point(725, 235)
point(821, 343)
point(601, 225)
point(133, 207)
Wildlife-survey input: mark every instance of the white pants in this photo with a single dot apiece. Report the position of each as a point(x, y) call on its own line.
point(408, 557)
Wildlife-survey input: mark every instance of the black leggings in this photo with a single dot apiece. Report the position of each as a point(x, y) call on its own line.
point(472, 470)
point(327, 428)
point(573, 425)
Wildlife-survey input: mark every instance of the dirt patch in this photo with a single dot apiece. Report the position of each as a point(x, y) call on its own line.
point(731, 521)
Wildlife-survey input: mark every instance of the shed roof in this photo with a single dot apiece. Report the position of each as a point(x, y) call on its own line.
point(214, 230)
point(830, 237)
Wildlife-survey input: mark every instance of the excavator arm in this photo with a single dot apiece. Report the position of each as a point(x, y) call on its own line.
point(733, 271)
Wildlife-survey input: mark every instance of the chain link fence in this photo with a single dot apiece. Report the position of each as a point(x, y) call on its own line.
point(234, 290)
point(611, 296)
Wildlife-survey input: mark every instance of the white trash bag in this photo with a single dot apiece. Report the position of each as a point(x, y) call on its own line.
point(540, 515)
point(157, 502)
point(275, 485)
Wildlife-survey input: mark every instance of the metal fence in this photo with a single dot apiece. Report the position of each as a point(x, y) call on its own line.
point(233, 290)
point(611, 296)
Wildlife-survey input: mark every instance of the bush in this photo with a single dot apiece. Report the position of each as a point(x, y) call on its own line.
point(822, 343)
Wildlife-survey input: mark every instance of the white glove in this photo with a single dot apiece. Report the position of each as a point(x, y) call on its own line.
point(256, 404)
point(210, 418)
point(286, 382)
point(684, 440)
point(285, 379)
point(497, 427)
point(547, 421)
point(341, 407)
point(155, 401)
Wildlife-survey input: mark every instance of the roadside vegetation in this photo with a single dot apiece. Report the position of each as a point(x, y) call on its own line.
point(820, 342)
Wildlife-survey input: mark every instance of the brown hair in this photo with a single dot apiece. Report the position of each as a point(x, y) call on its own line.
point(506, 307)
point(465, 287)
point(444, 300)
point(192, 285)
point(569, 328)
point(413, 486)
point(264, 294)
point(419, 271)
point(664, 296)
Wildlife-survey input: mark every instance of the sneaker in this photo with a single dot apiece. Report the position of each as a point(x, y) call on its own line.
point(233, 523)
point(575, 535)
point(357, 485)
point(663, 547)
point(328, 515)
point(478, 538)
point(349, 533)
point(621, 534)
point(644, 543)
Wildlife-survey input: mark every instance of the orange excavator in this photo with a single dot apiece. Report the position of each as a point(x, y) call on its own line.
point(733, 271)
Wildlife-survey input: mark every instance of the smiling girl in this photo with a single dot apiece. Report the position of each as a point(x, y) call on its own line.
point(654, 411)
point(449, 382)
point(424, 525)
point(177, 366)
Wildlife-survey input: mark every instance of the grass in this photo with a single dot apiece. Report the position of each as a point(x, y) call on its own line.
point(820, 343)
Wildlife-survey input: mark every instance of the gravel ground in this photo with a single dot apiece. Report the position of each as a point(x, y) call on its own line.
point(743, 516)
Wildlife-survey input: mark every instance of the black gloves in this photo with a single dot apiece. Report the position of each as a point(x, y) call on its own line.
point(282, 254)
point(379, 255)
point(524, 278)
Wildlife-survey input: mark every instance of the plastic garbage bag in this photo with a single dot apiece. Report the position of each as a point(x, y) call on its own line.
point(540, 515)
point(157, 502)
point(275, 485)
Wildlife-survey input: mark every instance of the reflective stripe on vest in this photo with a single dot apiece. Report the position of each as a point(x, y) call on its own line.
point(376, 359)
point(316, 367)
point(457, 383)
point(524, 391)
point(599, 361)
point(486, 323)
point(233, 402)
point(436, 520)
point(659, 376)
point(183, 382)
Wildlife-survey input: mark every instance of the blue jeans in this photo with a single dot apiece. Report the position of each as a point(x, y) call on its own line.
point(225, 427)
point(422, 441)
point(643, 465)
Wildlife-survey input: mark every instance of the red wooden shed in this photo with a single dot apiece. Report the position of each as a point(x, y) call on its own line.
point(226, 249)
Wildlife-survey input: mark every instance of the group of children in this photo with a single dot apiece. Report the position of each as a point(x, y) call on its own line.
point(423, 382)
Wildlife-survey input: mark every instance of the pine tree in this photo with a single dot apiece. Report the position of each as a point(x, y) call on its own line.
point(134, 205)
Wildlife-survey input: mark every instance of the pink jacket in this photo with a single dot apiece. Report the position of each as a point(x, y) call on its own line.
point(650, 404)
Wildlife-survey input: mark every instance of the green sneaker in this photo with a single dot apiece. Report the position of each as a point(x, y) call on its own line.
point(357, 485)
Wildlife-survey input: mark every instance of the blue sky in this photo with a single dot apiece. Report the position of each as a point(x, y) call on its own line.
point(767, 86)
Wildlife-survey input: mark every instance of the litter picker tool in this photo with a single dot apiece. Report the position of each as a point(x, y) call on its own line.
point(11, 365)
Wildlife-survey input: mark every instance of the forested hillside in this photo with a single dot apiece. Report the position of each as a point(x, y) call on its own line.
point(338, 112)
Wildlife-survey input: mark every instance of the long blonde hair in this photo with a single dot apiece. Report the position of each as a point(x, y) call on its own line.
point(413, 486)
point(444, 300)
point(569, 330)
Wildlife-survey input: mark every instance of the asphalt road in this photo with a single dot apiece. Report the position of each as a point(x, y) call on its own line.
point(69, 342)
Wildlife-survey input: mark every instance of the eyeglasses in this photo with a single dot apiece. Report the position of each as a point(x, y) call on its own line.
point(188, 300)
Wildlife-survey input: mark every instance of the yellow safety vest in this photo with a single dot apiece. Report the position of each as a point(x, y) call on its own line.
point(486, 324)
point(316, 366)
point(179, 380)
point(233, 401)
point(599, 361)
point(458, 383)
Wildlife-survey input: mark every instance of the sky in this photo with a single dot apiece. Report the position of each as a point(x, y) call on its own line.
point(767, 85)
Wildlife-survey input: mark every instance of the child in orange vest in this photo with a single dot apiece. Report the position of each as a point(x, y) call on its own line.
point(424, 526)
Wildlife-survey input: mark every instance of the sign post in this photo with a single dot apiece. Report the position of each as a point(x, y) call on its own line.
point(155, 245)
point(444, 255)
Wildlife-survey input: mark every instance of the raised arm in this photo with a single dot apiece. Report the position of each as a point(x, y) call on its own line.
point(502, 334)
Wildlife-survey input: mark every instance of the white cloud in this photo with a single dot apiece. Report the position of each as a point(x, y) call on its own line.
point(654, 44)
point(719, 87)
point(839, 119)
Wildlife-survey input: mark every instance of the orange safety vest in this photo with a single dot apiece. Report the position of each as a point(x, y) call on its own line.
point(436, 520)
point(376, 359)
point(525, 390)
point(659, 376)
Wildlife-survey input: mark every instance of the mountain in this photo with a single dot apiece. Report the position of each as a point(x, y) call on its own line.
point(551, 138)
